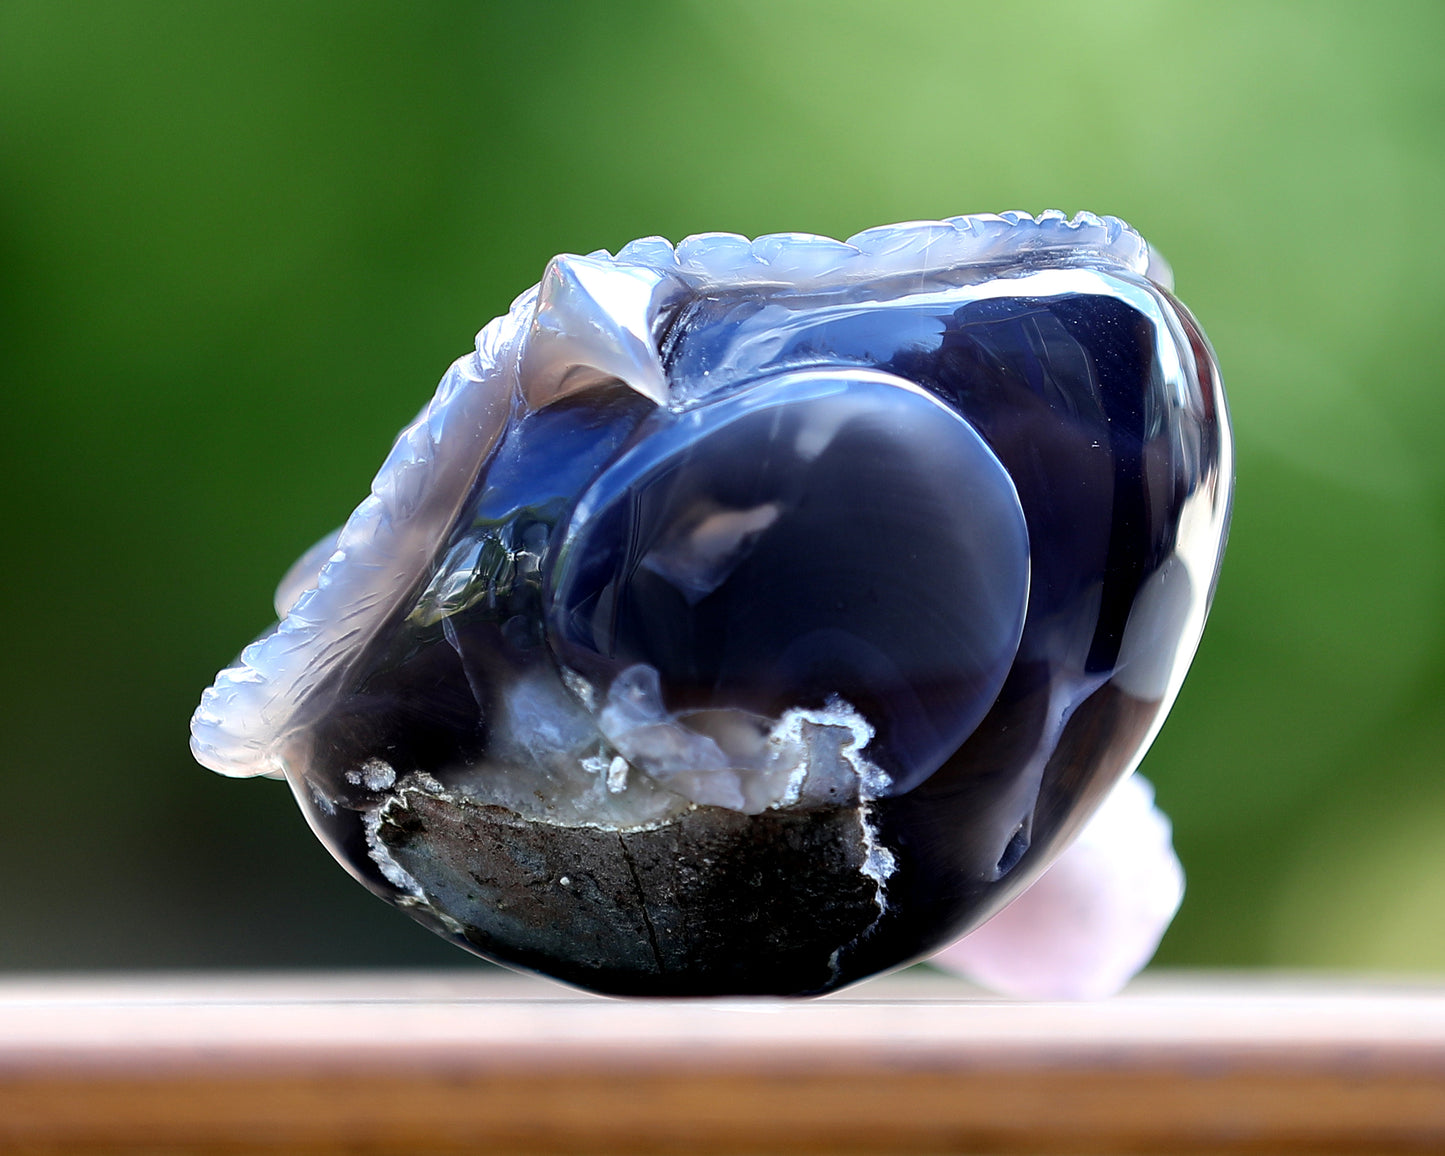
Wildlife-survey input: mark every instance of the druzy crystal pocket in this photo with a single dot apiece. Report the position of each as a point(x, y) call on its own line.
point(753, 616)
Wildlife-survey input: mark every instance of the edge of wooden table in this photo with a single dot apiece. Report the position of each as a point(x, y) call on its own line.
point(917, 1063)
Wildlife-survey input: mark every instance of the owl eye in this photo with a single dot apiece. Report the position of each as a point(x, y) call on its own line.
point(751, 617)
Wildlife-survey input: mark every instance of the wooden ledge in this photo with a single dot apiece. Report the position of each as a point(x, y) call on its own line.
point(919, 1063)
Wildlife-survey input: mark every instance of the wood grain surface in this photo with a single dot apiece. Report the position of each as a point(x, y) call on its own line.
point(918, 1064)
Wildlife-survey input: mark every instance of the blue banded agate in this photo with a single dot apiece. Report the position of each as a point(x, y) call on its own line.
point(756, 616)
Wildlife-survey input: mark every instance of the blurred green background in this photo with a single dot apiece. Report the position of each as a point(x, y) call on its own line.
point(240, 242)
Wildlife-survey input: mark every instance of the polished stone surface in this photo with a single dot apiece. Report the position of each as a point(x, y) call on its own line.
point(783, 626)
